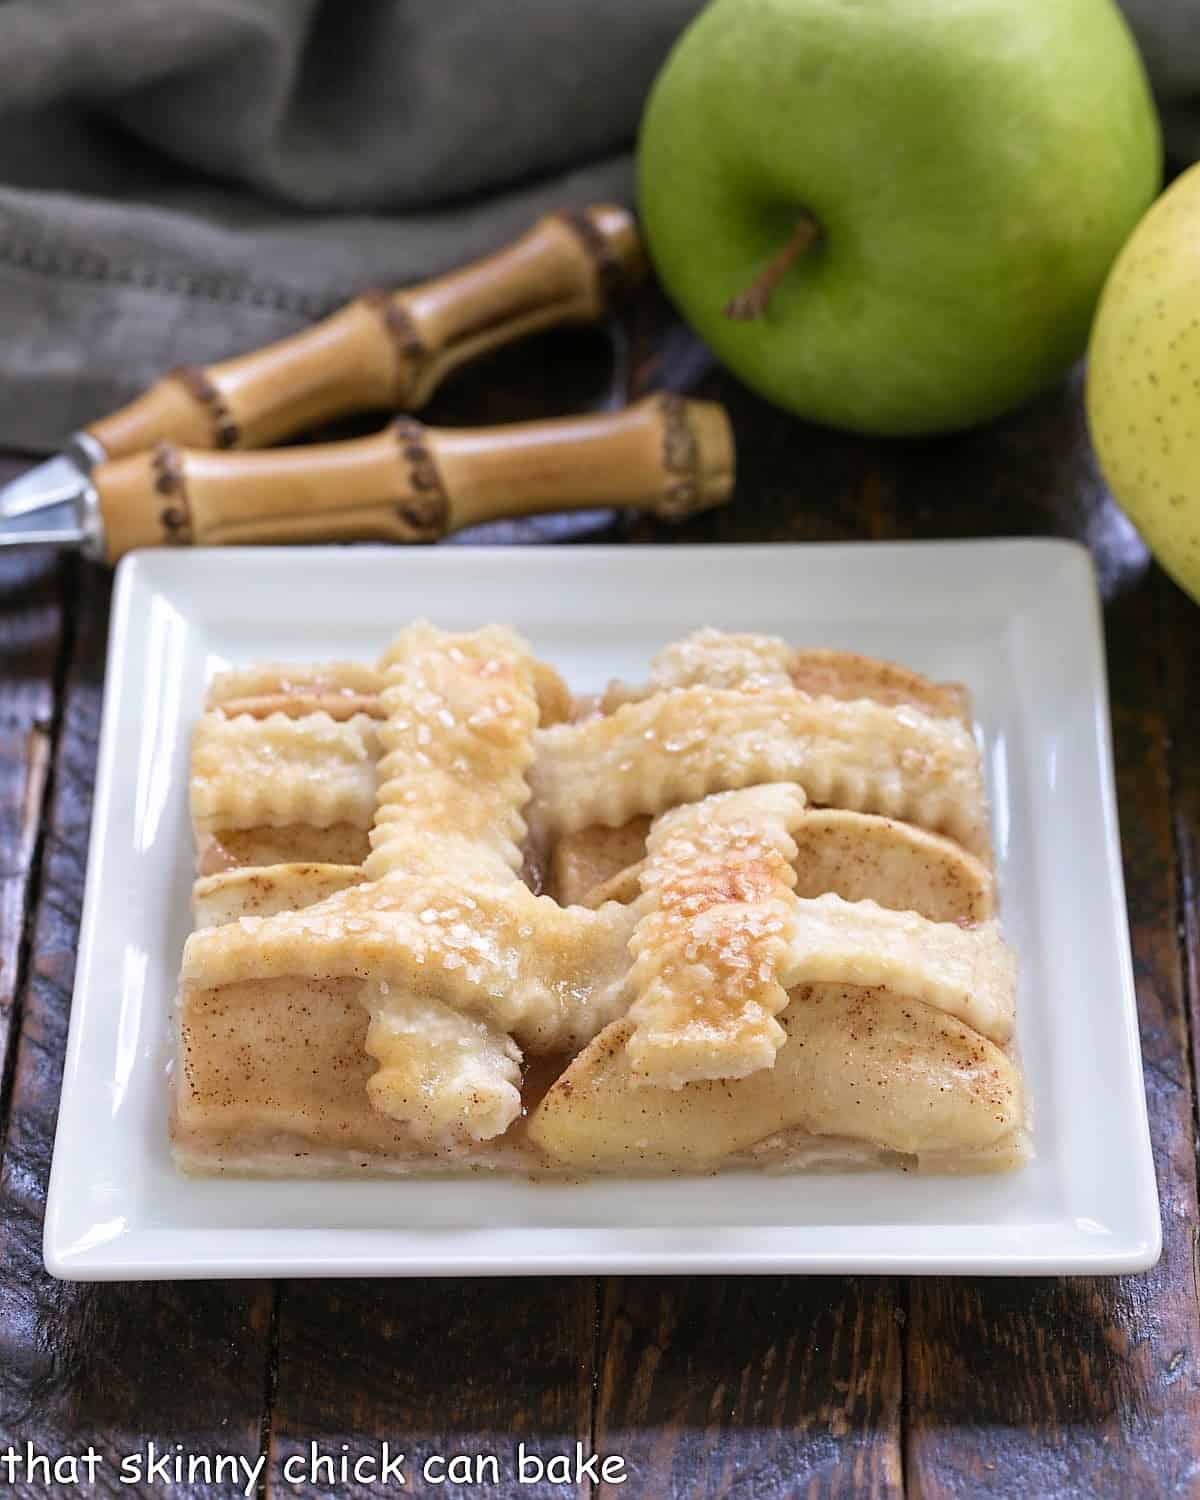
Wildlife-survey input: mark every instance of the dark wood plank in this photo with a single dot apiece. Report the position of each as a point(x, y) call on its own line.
point(739, 1386)
point(1181, 630)
point(1081, 1387)
point(435, 1368)
point(30, 646)
point(113, 1365)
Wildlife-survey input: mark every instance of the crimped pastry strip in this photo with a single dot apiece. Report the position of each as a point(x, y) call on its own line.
point(552, 976)
point(457, 741)
point(710, 948)
point(279, 771)
point(968, 972)
point(450, 1077)
point(681, 746)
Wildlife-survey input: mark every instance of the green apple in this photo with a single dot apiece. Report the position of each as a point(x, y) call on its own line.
point(1143, 386)
point(896, 215)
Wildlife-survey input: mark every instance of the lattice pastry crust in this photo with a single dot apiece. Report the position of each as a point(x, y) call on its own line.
point(682, 745)
point(276, 772)
point(784, 938)
point(723, 937)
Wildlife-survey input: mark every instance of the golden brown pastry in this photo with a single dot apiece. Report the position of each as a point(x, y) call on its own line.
point(769, 932)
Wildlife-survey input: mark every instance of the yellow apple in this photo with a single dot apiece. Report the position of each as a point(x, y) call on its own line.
point(1143, 388)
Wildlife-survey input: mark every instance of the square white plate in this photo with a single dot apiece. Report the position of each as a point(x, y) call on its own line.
point(1018, 621)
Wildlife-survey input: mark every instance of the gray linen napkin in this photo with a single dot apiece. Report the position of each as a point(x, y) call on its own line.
point(184, 179)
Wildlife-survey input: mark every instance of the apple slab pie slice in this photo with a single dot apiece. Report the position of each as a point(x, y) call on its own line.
point(771, 934)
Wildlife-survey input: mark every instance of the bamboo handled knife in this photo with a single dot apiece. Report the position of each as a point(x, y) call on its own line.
point(162, 470)
point(412, 483)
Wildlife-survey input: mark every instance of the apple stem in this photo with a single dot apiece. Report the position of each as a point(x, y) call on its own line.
point(752, 303)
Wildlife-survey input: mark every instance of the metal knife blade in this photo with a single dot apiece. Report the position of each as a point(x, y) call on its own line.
point(53, 503)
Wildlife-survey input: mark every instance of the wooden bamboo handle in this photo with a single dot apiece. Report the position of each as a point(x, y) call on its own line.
point(389, 349)
point(411, 483)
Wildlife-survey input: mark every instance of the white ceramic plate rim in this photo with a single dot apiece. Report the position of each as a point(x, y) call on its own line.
point(967, 595)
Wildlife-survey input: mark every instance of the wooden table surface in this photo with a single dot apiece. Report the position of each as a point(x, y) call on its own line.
point(758, 1387)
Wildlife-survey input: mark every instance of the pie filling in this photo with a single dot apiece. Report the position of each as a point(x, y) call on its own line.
point(451, 919)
